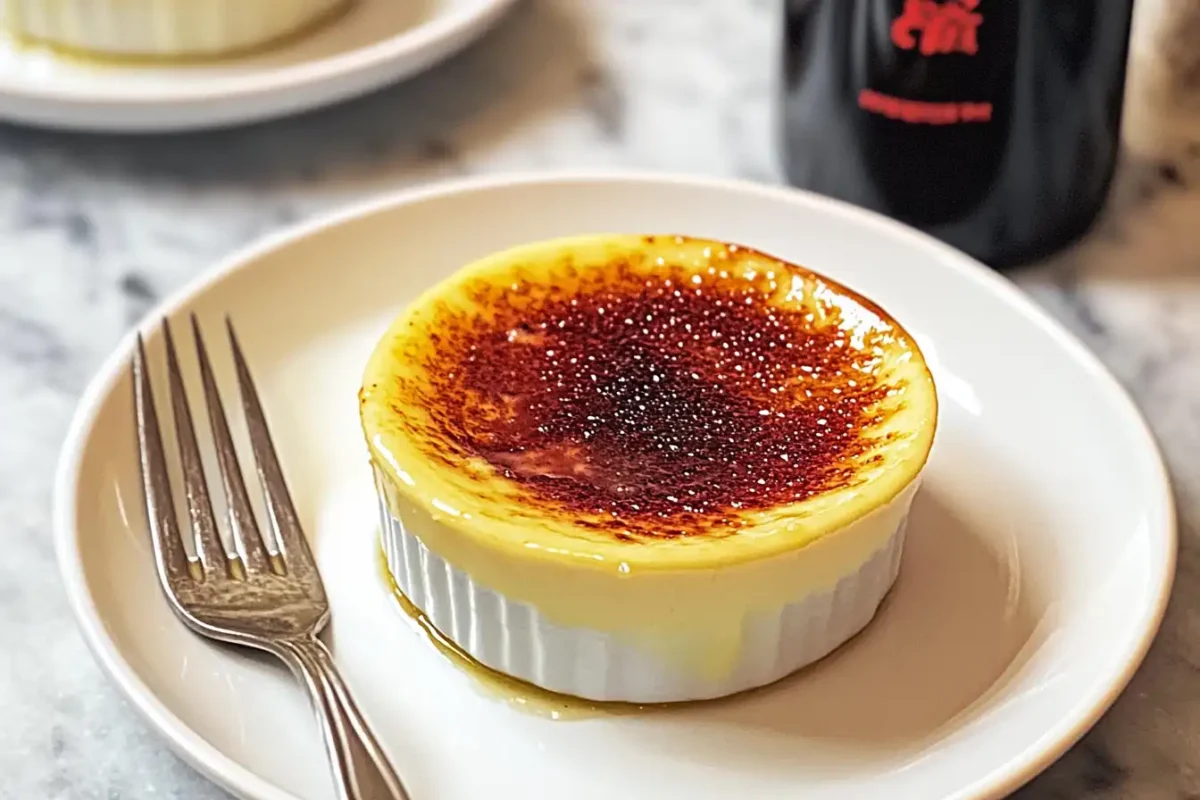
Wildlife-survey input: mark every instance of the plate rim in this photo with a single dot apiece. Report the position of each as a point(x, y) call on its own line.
point(424, 37)
point(232, 776)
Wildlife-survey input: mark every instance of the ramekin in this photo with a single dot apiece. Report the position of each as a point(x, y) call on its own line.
point(839, 581)
point(161, 28)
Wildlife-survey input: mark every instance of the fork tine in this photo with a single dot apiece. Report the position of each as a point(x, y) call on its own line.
point(169, 553)
point(246, 535)
point(209, 547)
point(285, 522)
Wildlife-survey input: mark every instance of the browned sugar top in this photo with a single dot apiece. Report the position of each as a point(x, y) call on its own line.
point(660, 404)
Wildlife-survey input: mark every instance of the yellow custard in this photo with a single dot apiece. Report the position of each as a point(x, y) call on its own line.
point(672, 441)
point(130, 33)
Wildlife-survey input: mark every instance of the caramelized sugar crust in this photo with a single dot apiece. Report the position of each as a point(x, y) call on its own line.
point(648, 400)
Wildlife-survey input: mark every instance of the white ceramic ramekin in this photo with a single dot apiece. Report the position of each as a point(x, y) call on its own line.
point(856, 567)
point(161, 28)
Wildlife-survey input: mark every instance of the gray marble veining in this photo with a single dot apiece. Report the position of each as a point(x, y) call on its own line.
point(94, 229)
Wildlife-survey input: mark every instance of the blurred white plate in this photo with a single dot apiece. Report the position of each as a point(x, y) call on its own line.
point(1041, 547)
point(376, 43)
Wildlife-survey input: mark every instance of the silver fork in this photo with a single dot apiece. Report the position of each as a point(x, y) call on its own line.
point(264, 593)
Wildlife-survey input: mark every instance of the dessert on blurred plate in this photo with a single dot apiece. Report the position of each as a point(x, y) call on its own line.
point(645, 468)
point(162, 28)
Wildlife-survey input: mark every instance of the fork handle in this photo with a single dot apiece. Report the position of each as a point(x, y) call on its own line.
point(360, 769)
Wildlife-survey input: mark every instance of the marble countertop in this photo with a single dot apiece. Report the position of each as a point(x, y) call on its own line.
point(94, 230)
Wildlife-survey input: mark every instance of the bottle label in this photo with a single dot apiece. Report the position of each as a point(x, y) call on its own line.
point(933, 27)
point(929, 28)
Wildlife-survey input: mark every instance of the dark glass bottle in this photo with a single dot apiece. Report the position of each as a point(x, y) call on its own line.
point(992, 124)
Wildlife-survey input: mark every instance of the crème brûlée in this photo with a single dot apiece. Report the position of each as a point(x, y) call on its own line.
point(162, 29)
point(645, 468)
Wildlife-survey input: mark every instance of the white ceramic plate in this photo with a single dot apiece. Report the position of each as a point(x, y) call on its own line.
point(1041, 549)
point(377, 42)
